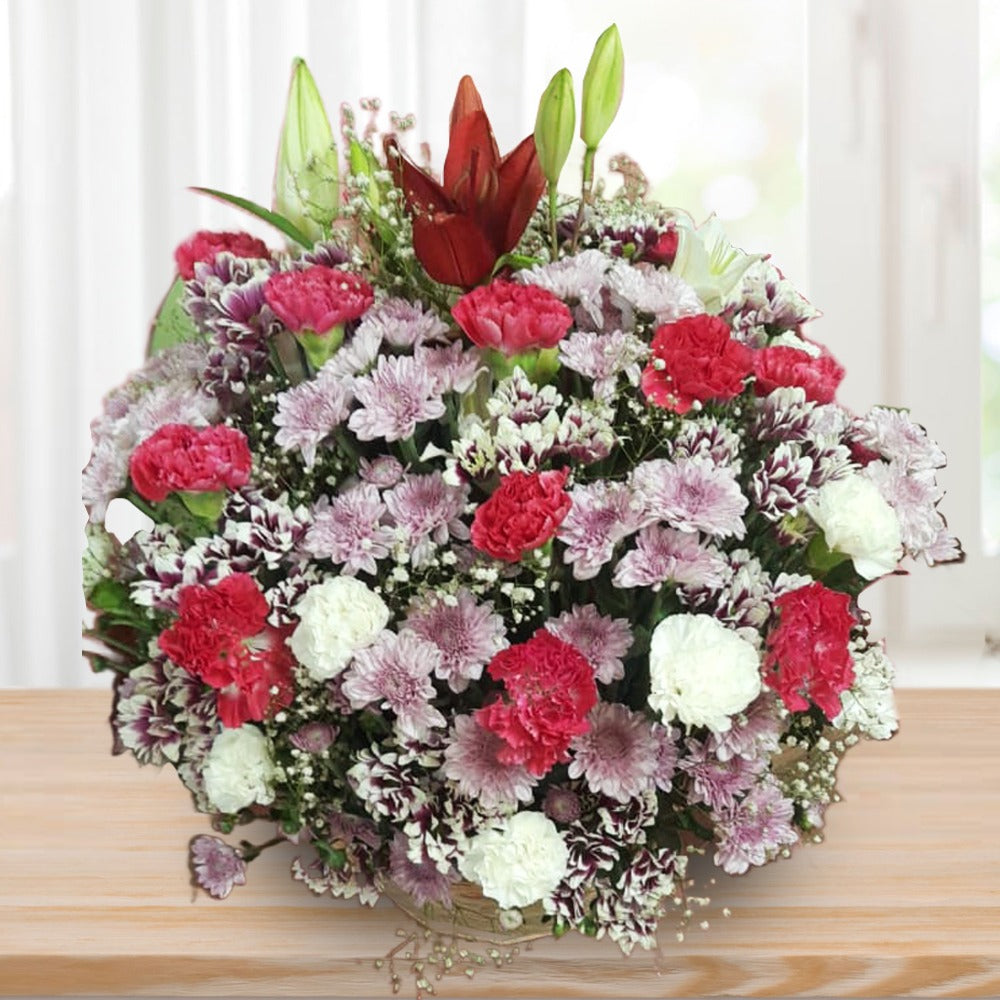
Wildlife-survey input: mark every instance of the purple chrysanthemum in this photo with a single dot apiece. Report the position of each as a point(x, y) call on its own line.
point(470, 760)
point(421, 879)
point(468, 635)
point(216, 866)
point(652, 290)
point(310, 411)
point(383, 471)
point(663, 554)
point(396, 673)
point(753, 831)
point(394, 398)
point(718, 783)
point(618, 756)
point(602, 640)
point(348, 530)
point(427, 510)
point(601, 515)
point(561, 805)
point(578, 278)
point(692, 495)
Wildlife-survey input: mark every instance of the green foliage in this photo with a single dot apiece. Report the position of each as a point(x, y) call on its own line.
point(172, 324)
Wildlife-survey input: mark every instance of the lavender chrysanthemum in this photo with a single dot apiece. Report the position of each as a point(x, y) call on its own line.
point(421, 879)
point(579, 278)
point(427, 510)
point(602, 640)
point(310, 411)
point(602, 514)
point(603, 357)
point(383, 471)
point(467, 634)
point(666, 554)
point(718, 783)
point(654, 291)
point(394, 398)
point(395, 672)
point(692, 495)
point(618, 756)
point(453, 368)
point(895, 436)
point(470, 760)
point(348, 529)
point(403, 324)
point(753, 831)
point(216, 866)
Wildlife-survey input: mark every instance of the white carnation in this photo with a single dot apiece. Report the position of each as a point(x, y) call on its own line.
point(239, 770)
point(336, 619)
point(868, 705)
point(520, 865)
point(858, 522)
point(701, 672)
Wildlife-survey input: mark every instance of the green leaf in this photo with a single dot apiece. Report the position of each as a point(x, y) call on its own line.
point(110, 595)
point(554, 125)
point(271, 218)
point(205, 505)
point(332, 857)
point(172, 324)
point(603, 84)
point(306, 182)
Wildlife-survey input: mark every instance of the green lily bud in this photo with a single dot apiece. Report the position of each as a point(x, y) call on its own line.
point(306, 178)
point(554, 125)
point(602, 87)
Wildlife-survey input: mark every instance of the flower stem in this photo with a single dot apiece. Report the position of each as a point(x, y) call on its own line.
point(553, 234)
point(586, 190)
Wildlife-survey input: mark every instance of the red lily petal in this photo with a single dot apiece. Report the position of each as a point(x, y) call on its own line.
point(467, 100)
point(422, 193)
point(521, 185)
point(452, 249)
point(470, 168)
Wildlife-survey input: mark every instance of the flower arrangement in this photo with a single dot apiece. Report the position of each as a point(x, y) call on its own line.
point(495, 539)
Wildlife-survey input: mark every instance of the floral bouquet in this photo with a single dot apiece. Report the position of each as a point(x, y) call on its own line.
point(503, 547)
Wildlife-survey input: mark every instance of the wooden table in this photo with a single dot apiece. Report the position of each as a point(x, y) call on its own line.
point(902, 899)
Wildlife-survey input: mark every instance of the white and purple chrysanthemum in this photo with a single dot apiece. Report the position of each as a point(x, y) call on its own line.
point(603, 640)
point(470, 760)
point(216, 866)
point(602, 357)
point(692, 495)
point(754, 830)
point(618, 756)
point(403, 324)
point(467, 634)
point(348, 529)
point(666, 554)
point(427, 510)
point(422, 879)
point(396, 672)
point(310, 411)
point(394, 398)
point(602, 515)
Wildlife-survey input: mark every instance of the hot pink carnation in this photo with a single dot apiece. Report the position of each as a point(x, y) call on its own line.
point(522, 514)
point(512, 318)
point(550, 690)
point(808, 658)
point(780, 366)
point(204, 245)
point(193, 459)
point(318, 298)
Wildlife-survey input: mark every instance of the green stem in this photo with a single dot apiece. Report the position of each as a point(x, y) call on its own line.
point(140, 504)
point(409, 449)
point(553, 234)
point(250, 851)
point(586, 189)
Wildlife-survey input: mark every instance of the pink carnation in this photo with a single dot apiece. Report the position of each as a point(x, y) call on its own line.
point(512, 318)
point(780, 366)
point(204, 246)
point(318, 298)
point(192, 459)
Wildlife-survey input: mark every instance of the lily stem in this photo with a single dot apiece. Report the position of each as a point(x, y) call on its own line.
point(552, 222)
point(586, 191)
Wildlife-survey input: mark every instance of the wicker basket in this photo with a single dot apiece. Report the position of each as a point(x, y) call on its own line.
point(473, 916)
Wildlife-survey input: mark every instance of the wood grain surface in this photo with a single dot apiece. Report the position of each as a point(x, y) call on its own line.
point(902, 898)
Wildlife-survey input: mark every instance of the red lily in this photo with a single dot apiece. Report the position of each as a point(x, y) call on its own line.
point(463, 226)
